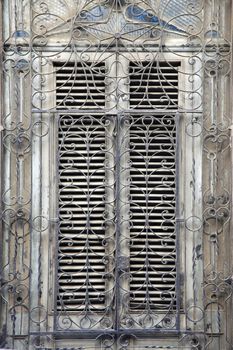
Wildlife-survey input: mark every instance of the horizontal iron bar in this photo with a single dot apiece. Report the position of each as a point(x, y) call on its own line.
point(95, 333)
point(109, 112)
point(76, 334)
point(153, 48)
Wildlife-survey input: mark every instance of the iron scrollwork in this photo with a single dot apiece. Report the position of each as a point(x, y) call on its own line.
point(116, 193)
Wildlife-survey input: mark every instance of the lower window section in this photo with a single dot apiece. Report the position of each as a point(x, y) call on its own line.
point(82, 252)
point(152, 212)
point(117, 236)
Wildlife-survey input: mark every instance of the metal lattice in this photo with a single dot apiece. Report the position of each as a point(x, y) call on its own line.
point(116, 176)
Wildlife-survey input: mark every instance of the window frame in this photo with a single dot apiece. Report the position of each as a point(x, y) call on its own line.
point(185, 245)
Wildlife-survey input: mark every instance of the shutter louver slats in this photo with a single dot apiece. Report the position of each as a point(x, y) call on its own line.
point(154, 85)
point(152, 172)
point(152, 206)
point(81, 270)
point(81, 249)
point(80, 85)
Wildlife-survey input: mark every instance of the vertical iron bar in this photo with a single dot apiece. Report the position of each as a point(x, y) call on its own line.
point(1, 125)
point(30, 208)
point(118, 221)
point(1, 143)
point(55, 141)
point(177, 216)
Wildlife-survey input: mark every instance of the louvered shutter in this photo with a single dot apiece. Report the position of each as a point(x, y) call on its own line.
point(81, 267)
point(152, 190)
point(152, 137)
point(80, 85)
point(154, 85)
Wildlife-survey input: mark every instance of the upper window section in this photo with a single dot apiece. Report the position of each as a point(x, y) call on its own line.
point(99, 21)
point(105, 20)
point(113, 33)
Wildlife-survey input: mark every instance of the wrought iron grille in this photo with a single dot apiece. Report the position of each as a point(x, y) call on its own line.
point(117, 198)
point(116, 180)
point(102, 197)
